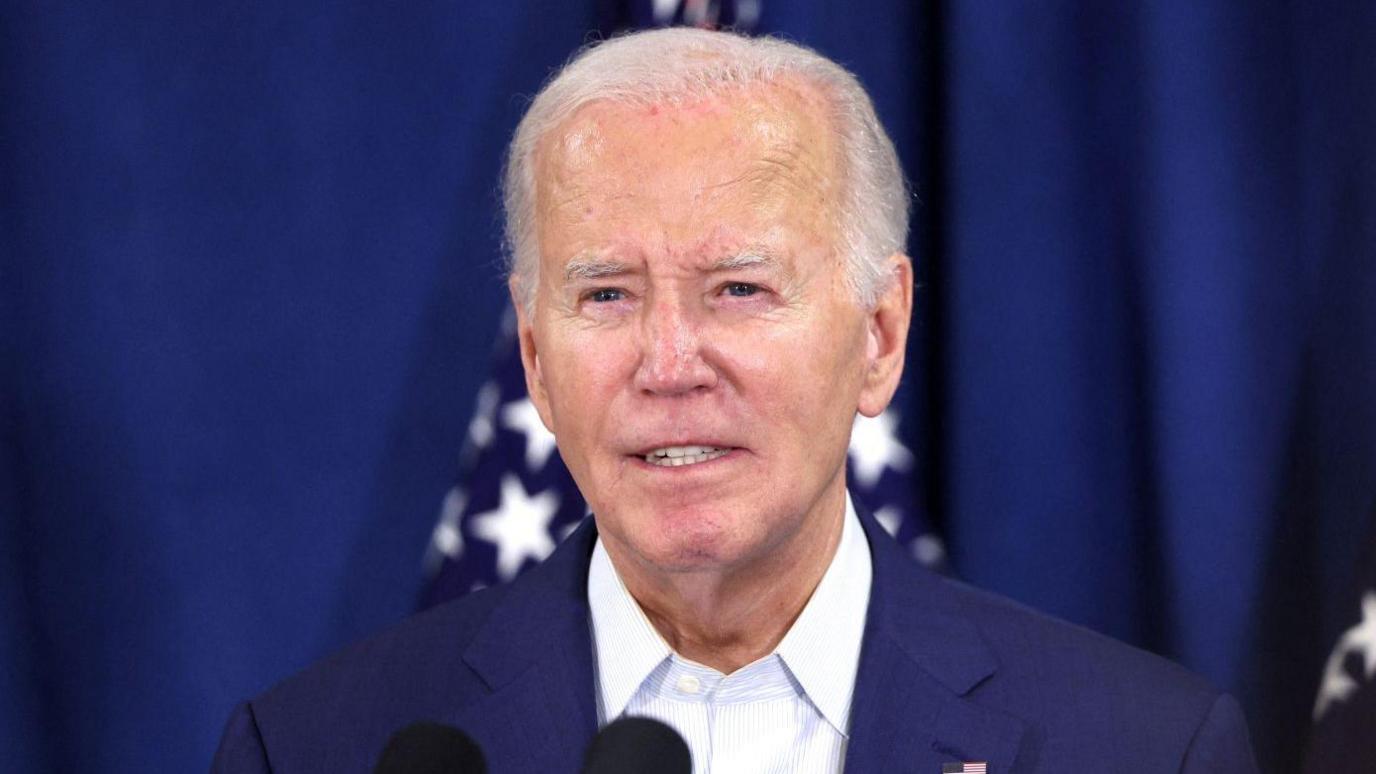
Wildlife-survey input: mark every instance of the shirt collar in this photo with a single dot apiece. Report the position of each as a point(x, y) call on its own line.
point(821, 649)
point(627, 646)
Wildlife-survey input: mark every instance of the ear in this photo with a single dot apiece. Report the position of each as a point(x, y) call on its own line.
point(530, 354)
point(886, 337)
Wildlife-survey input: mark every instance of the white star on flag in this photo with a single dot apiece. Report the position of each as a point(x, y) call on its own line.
point(519, 527)
point(448, 540)
point(480, 429)
point(522, 417)
point(1362, 638)
point(874, 446)
point(1337, 684)
point(890, 518)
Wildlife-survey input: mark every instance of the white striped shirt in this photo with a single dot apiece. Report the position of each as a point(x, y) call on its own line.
point(786, 712)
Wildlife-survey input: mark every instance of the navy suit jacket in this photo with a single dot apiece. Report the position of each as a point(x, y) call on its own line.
point(947, 674)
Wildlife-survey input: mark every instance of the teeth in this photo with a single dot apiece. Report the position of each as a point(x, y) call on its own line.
point(674, 456)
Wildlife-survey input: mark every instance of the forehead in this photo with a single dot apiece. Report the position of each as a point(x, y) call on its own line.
point(758, 159)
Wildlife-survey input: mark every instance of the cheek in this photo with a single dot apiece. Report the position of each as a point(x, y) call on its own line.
point(801, 378)
point(582, 373)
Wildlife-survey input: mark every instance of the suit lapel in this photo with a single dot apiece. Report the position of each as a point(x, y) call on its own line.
point(921, 661)
point(534, 652)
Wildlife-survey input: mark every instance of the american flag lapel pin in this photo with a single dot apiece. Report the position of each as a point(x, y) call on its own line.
point(968, 767)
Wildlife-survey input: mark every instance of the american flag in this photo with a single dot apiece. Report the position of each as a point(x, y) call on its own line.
point(968, 767)
point(515, 500)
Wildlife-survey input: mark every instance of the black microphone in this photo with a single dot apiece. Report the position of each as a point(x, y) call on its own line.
point(431, 748)
point(637, 746)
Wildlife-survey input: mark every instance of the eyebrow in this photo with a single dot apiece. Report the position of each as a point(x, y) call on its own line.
point(752, 257)
point(597, 268)
point(593, 268)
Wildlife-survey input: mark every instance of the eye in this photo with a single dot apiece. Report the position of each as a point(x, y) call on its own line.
point(605, 295)
point(741, 289)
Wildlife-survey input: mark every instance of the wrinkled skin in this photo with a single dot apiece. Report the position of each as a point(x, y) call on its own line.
point(689, 293)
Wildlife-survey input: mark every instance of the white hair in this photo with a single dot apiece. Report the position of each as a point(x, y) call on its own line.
point(679, 64)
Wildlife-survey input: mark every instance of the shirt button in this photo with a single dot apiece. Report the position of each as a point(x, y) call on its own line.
point(689, 684)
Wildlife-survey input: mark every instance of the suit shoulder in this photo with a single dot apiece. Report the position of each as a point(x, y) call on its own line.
point(1078, 690)
point(410, 672)
point(1025, 640)
point(422, 643)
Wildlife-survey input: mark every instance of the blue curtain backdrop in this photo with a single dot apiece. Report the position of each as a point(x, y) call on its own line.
point(249, 285)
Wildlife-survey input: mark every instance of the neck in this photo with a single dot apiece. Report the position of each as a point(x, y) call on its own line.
point(727, 617)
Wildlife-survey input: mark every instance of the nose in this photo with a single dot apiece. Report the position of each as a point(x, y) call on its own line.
point(671, 350)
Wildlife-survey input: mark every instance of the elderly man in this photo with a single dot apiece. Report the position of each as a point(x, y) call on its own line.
point(706, 234)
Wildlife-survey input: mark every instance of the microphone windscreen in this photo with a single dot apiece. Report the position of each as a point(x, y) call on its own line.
point(638, 746)
point(431, 748)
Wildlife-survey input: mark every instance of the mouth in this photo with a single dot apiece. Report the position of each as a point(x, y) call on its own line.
point(678, 456)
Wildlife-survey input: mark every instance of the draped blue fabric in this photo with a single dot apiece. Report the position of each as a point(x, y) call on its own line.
point(1160, 326)
point(249, 286)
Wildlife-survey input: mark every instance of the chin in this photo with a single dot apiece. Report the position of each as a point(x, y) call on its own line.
point(686, 543)
point(686, 560)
